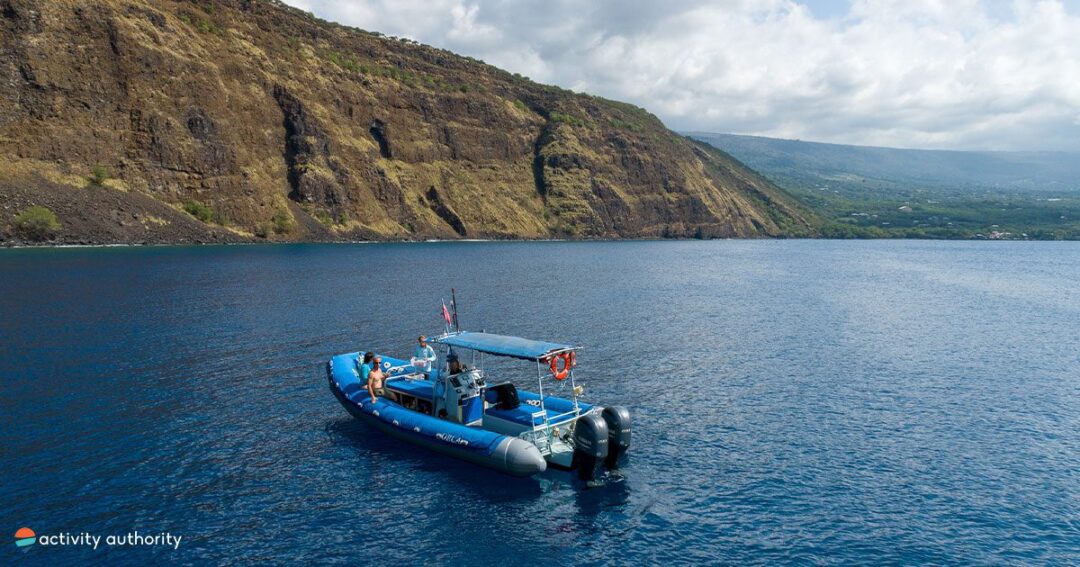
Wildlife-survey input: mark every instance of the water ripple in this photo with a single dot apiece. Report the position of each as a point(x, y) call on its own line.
point(794, 402)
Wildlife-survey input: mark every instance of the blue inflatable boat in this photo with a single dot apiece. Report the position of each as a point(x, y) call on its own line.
point(454, 408)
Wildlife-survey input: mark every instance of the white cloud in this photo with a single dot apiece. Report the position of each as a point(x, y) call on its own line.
point(914, 73)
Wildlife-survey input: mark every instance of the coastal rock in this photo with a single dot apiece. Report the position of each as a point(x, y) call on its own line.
point(280, 126)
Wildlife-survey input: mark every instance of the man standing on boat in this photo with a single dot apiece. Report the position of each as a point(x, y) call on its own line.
point(423, 352)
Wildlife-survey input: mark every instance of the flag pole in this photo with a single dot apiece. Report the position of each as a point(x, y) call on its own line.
point(453, 303)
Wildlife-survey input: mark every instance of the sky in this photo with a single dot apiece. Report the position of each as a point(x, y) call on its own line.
point(935, 74)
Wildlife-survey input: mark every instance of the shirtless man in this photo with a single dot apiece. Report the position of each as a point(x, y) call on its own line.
point(376, 379)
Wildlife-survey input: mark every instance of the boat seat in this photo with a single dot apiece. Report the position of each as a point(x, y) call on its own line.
point(503, 396)
point(422, 389)
point(524, 415)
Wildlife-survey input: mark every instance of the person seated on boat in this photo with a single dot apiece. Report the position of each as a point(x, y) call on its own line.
point(460, 374)
point(376, 379)
point(424, 352)
point(454, 364)
point(365, 367)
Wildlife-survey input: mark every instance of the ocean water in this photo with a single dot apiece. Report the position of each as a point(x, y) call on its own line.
point(810, 402)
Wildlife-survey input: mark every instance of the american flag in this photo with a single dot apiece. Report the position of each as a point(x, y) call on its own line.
point(446, 314)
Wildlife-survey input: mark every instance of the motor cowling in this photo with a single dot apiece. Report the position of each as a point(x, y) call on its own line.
point(617, 419)
point(590, 444)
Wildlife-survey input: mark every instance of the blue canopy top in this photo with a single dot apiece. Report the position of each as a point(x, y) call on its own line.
point(501, 345)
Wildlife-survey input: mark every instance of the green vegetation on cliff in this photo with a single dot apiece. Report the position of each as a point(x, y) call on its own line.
point(37, 223)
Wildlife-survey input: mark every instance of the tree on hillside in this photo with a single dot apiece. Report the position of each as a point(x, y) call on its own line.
point(37, 223)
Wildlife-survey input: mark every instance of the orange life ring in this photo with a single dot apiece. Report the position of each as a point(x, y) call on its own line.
point(568, 359)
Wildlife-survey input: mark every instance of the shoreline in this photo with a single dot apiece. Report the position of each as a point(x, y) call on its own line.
point(47, 246)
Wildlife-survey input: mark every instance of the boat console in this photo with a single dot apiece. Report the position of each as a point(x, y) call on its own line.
point(460, 399)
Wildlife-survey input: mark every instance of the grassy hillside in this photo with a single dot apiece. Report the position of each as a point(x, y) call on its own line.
point(887, 192)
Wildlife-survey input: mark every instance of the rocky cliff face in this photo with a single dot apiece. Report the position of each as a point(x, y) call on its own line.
point(139, 120)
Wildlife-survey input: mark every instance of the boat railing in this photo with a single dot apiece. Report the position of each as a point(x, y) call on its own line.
point(550, 423)
point(547, 422)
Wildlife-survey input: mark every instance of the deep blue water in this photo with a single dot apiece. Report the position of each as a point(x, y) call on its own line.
point(795, 402)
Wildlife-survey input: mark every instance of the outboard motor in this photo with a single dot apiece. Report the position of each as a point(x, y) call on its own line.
point(590, 444)
point(618, 424)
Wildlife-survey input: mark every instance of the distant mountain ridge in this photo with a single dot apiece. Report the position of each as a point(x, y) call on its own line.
point(861, 168)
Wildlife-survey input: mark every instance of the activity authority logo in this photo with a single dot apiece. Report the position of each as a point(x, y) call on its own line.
point(25, 537)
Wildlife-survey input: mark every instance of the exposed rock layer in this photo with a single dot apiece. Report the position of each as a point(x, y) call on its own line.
point(289, 127)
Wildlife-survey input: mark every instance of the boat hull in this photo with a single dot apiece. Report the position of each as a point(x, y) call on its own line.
point(503, 453)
